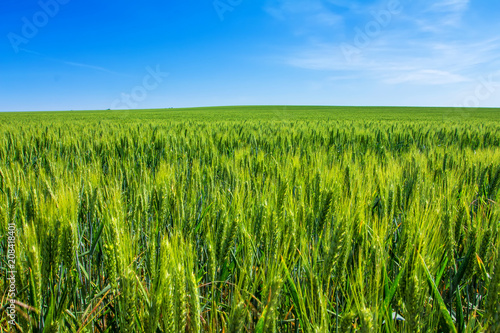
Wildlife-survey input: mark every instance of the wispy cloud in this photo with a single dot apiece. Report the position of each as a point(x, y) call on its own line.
point(447, 6)
point(72, 63)
point(416, 62)
point(303, 14)
point(451, 11)
point(404, 52)
point(427, 77)
point(97, 68)
point(437, 16)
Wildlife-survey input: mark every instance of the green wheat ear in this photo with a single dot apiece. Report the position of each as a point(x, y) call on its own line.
point(168, 308)
point(347, 322)
point(34, 267)
point(484, 249)
point(366, 318)
point(180, 298)
point(50, 251)
point(449, 236)
point(68, 245)
point(237, 316)
point(128, 288)
point(194, 297)
point(110, 266)
point(268, 318)
point(32, 209)
point(493, 298)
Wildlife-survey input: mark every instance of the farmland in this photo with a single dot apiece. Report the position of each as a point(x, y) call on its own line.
point(251, 219)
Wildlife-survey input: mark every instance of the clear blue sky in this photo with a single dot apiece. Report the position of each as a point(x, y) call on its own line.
point(74, 54)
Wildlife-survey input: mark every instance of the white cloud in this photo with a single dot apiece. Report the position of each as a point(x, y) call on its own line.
point(446, 6)
point(282, 9)
point(413, 62)
point(326, 18)
point(303, 13)
point(427, 77)
point(437, 16)
point(403, 56)
point(97, 68)
point(72, 63)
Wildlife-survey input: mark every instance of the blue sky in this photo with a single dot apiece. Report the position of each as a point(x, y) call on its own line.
point(73, 54)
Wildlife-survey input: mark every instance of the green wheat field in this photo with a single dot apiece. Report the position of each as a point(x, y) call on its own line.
point(251, 219)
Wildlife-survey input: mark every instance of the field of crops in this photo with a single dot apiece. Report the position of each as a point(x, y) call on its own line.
point(270, 219)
